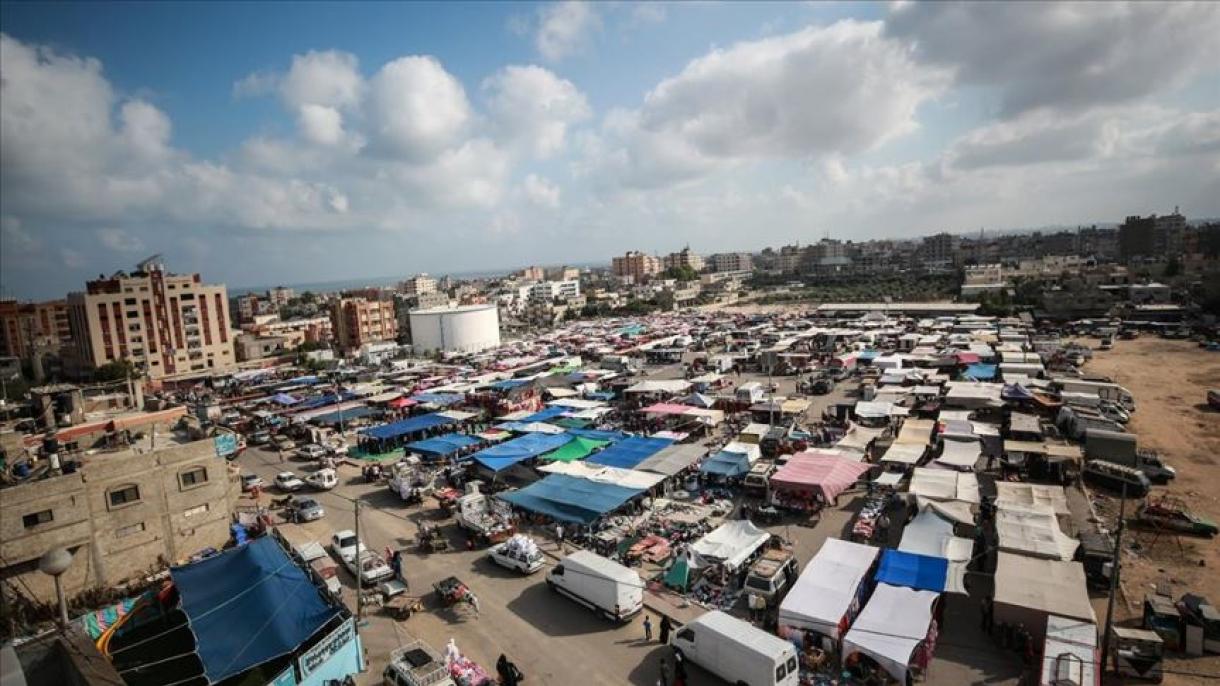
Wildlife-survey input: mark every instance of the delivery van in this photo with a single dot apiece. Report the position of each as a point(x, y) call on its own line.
point(604, 586)
point(736, 651)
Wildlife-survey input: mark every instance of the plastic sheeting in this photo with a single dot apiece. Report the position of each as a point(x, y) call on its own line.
point(570, 498)
point(960, 453)
point(726, 464)
point(249, 605)
point(576, 449)
point(502, 456)
point(831, 474)
point(891, 626)
point(930, 533)
point(627, 478)
point(1033, 531)
point(944, 484)
point(1048, 586)
point(731, 543)
point(922, 572)
point(405, 427)
point(543, 415)
point(443, 446)
point(823, 595)
point(673, 459)
point(630, 452)
point(1025, 495)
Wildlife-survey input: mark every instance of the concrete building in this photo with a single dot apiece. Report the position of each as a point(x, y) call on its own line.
point(167, 325)
point(938, 253)
point(547, 291)
point(249, 307)
point(789, 259)
point(251, 346)
point(122, 512)
point(683, 259)
point(1152, 236)
point(418, 285)
point(563, 274)
point(731, 262)
point(983, 278)
point(467, 329)
point(637, 265)
point(532, 274)
point(297, 331)
point(29, 327)
point(280, 296)
point(357, 321)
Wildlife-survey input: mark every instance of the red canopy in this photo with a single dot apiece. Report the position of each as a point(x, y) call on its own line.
point(667, 408)
point(399, 403)
point(827, 472)
point(967, 358)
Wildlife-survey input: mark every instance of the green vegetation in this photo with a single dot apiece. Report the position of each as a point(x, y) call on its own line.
point(115, 371)
point(898, 288)
point(682, 274)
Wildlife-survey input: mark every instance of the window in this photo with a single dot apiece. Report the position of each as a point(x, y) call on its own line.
point(792, 665)
point(125, 495)
point(129, 530)
point(193, 477)
point(129, 301)
point(558, 571)
point(780, 672)
point(197, 510)
point(687, 635)
point(36, 518)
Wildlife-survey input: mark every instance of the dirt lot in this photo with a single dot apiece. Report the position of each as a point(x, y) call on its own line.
point(1169, 380)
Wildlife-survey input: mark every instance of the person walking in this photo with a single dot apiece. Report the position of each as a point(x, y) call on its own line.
point(666, 627)
point(563, 548)
point(647, 628)
point(679, 670)
point(664, 679)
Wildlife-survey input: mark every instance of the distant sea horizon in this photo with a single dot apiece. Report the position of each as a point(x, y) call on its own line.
point(383, 281)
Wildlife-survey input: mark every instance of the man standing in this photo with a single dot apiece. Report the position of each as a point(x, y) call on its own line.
point(647, 628)
point(559, 535)
point(666, 626)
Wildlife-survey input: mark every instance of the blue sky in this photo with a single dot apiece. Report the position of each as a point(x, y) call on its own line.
point(278, 142)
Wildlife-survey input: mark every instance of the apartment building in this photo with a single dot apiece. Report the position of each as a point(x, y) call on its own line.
point(121, 513)
point(167, 325)
point(532, 274)
point(358, 321)
point(298, 331)
point(548, 291)
point(280, 296)
point(417, 285)
point(26, 328)
point(731, 262)
point(637, 265)
point(683, 259)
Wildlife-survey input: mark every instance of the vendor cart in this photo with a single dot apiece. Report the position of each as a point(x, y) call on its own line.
point(430, 539)
point(451, 591)
point(401, 607)
point(447, 500)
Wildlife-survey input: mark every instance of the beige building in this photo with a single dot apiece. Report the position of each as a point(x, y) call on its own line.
point(532, 274)
point(639, 266)
point(280, 296)
point(418, 285)
point(29, 327)
point(683, 258)
point(122, 514)
point(168, 325)
point(358, 321)
point(731, 262)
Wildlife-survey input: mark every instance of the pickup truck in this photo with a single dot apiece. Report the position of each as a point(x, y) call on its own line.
point(371, 568)
point(321, 563)
point(519, 553)
point(417, 664)
point(310, 452)
point(488, 518)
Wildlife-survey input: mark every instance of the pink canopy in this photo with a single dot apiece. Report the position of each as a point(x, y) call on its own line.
point(829, 473)
point(399, 403)
point(967, 358)
point(667, 408)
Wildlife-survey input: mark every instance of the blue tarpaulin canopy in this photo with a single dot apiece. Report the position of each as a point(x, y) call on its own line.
point(439, 399)
point(248, 605)
point(407, 426)
point(920, 572)
point(629, 452)
point(596, 435)
point(1016, 392)
point(509, 453)
point(570, 498)
point(344, 416)
point(726, 463)
point(549, 413)
point(308, 380)
point(509, 384)
point(443, 446)
point(601, 395)
point(981, 372)
point(868, 354)
point(284, 399)
point(325, 399)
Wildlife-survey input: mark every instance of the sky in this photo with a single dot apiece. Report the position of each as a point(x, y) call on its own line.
point(262, 143)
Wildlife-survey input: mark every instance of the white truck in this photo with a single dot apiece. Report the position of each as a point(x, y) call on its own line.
point(1105, 390)
point(489, 519)
point(602, 585)
point(736, 651)
point(417, 664)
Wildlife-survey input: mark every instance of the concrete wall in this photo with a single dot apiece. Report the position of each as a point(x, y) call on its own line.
point(113, 543)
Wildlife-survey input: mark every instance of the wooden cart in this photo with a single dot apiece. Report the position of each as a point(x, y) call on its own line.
point(401, 607)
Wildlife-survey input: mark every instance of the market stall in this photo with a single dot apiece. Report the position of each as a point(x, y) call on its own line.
point(830, 591)
point(814, 475)
point(895, 629)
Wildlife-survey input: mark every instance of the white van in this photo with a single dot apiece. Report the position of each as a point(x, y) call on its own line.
point(602, 585)
point(736, 651)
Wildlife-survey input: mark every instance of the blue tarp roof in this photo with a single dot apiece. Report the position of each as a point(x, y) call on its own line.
point(601, 395)
point(344, 416)
point(509, 384)
point(307, 380)
point(248, 605)
point(598, 435)
point(284, 399)
point(921, 572)
point(441, 399)
point(629, 452)
point(549, 413)
point(981, 372)
point(325, 399)
point(509, 453)
point(725, 463)
point(443, 445)
point(867, 354)
point(1016, 392)
point(570, 498)
point(407, 426)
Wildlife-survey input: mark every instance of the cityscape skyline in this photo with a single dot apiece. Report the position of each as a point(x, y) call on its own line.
point(388, 139)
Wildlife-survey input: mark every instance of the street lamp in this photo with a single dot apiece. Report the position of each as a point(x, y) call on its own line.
point(55, 562)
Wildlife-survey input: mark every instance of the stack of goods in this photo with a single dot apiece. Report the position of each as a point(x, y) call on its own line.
point(866, 521)
point(521, 546)
point(463, 670)
point(651, 548)
point(711, 593)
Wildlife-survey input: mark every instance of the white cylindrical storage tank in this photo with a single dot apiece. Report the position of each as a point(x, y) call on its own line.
point(467, 329)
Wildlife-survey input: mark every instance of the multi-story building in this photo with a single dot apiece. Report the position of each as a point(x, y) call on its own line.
point(1152, 236)
point(789, 259)
point(248, 307)
point(280, 296)
point(418, 285)
point(731, 262)
point(637, 265)
point(123, 513)
point(27, 328)
point(938, 252)
point(357, 321)
point(532, 273)
point(167, 325)
point(683, 259)
point(548, 291)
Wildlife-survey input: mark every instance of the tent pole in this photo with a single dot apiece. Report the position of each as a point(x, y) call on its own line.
point(1114, 567)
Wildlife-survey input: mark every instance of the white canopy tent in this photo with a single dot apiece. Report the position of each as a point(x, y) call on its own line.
point(824, 594)
point(960, 452)
point(931, 534)
point(627, 478)
point(731, 543)
point(1033, 530)
point(1027, 495)
point(891, 626)
point(945, 484)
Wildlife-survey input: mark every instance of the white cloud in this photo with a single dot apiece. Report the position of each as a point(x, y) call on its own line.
point(565, 28)
point(119, 240)
point(531, 106)
point(256, 84)
point(320, 124)
point(330, 78)
point(72, 258)
point(146, 130)
point(541, 192)
point(416, 108)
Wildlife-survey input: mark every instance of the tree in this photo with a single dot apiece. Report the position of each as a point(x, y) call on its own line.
point(115, 371)
point(682, 273)
point(1173, 267)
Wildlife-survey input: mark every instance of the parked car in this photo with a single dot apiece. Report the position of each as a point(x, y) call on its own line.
point(288, 482)
point(772, 575)
point(344, 544)
point(371, 568)
point(282, 442)
point(310, 452)
point(322, 480)
point(516, 555)
point(251, 481)
point(259, 438)
point(602, 585)
point(1116, 478)
point(306, 510)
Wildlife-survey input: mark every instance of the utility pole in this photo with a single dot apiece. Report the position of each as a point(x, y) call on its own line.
point(1114, 567)
point(359, 569)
